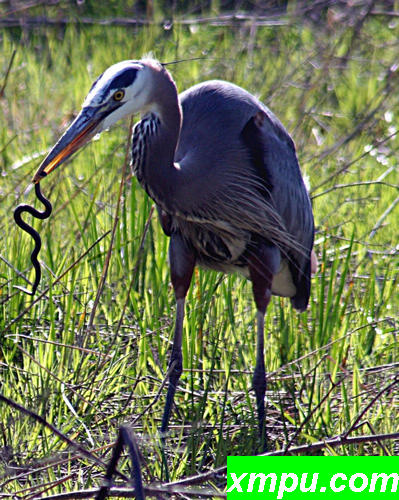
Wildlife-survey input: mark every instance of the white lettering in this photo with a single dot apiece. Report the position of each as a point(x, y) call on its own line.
point(358, 489)
point(312, 487)
point(384, 477)
point(283, 488)
point(262, 477)
point(334, 480)
point(236, 482)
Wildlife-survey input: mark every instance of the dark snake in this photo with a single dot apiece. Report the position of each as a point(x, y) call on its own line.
point(35, 235)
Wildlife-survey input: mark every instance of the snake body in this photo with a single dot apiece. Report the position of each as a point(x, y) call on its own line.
point(35, 235)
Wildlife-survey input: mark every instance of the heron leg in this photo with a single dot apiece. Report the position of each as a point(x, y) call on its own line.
point(263, 264)
point(182, 262)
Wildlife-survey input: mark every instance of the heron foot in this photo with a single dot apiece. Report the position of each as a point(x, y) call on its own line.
point(174, 372)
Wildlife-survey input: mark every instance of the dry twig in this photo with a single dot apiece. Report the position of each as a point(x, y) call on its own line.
point(7, 74)
point(55, 431)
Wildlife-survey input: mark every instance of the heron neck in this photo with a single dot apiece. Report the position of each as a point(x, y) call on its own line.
point(155, 140)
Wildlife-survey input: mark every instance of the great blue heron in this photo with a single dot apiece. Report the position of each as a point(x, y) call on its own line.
point(224, 175)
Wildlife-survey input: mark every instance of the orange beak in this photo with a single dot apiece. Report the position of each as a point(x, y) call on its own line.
point(79, 133)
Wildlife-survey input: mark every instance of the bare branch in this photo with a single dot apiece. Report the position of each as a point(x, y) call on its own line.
point(55, 431)
point(7, 74)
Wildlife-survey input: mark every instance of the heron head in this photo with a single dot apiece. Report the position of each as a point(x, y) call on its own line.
point(123, 89)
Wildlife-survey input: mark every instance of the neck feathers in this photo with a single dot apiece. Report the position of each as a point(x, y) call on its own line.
point(143, 132)
point(155, 138)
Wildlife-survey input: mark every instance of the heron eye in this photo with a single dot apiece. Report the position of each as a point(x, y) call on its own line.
point(119, 95)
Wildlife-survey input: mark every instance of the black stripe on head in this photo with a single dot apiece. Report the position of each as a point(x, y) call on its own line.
point(94, 83)
point(124, 79)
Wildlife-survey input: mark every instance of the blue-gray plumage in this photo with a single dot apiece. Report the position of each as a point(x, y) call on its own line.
point(224, 174)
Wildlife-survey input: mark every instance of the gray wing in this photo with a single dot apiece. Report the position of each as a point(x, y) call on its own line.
point(241, 174)
point(273, 154)
point(214, 161)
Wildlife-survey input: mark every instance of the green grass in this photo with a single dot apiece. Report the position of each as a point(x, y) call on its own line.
point(326, 364)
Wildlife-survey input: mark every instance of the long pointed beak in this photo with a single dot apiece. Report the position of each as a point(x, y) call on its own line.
point(81, 130)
